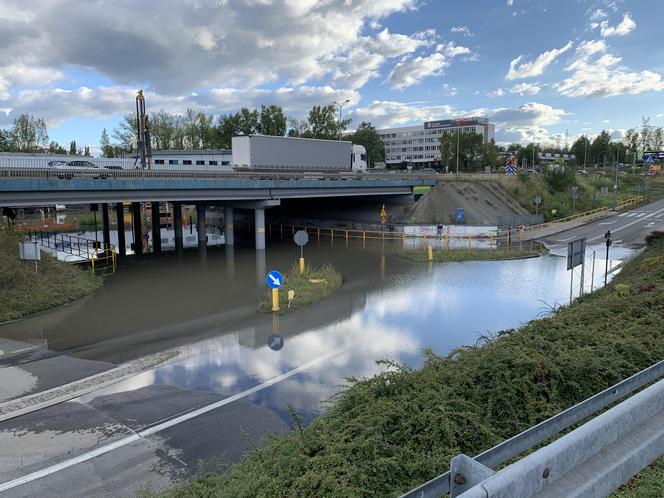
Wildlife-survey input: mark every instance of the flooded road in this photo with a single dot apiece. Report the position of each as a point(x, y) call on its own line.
point(205, 311)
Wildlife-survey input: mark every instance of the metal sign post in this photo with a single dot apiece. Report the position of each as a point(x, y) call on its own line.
point(576, 255)
point(301, 238)
point(607, 237)
point(537, 201)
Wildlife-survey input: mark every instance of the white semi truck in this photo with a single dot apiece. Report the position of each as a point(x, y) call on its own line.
point(269, 153)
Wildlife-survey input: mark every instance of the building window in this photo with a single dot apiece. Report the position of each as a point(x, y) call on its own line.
point(173, 162)
point(225, 163)
point(159, 161)
point(200, 163)
point(186, 162)
point(212, 163)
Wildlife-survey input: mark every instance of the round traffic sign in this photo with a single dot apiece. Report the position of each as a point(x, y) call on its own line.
point(275, 342)
point(538, 200)
point(274, 279)
point(301, 238)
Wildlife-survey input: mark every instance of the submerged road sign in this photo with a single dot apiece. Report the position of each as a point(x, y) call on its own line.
point(274, 279)
point(301, 238)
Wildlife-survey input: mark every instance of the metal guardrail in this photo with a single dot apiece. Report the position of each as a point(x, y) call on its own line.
point(501, 453)
point(99, 255)
point(68, 174)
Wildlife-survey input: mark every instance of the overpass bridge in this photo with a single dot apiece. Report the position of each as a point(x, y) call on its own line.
point(20, 187)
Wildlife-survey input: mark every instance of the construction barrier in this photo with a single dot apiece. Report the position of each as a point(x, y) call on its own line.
point(100, 256)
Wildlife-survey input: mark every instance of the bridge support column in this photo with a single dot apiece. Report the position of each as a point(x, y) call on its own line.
point(119, 211)
point(138, 232)
point(201, 228)
point(229, 236)
point(260, 228)
point(156, 228)
point(177, 226)
point(106, 229)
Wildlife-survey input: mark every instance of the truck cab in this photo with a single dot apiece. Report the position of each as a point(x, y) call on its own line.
point(358, 158)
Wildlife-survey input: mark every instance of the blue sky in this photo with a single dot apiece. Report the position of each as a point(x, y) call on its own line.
point(536, 68)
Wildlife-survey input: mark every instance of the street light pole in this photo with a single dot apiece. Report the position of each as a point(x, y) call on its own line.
point(457, 151)
point(341, 107)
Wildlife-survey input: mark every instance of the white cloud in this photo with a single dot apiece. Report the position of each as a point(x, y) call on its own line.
point(412, 71)
point(528, 114)
point(388, 113)
point(464, 30)
point(196, 44)
point(534, 68)
point(22, 74)
point(56, 105)
point(596, 73)
point(621, 29)
point(449, 91)
point(498, 92)
point(526, 88)
point(598, 14)
point(510, 3)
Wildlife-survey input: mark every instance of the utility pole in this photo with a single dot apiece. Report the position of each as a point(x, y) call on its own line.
point(585, 154)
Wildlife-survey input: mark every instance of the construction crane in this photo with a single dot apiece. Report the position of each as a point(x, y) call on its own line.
point(143, 130)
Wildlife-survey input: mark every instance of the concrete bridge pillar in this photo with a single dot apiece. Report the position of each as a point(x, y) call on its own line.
point(177, 226)
point(106, 228)
point(201, 227)
point(156, 228)
point(119, 211)
point(138, 232)
point(260, 228)
point(229, 236)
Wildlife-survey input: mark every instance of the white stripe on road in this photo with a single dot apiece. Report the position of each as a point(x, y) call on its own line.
point(629, 215)
point(629, 224)
point(622, 214)
point(164, 425)
point(639, 215)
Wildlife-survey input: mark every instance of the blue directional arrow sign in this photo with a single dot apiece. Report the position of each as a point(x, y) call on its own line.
point(274, 279)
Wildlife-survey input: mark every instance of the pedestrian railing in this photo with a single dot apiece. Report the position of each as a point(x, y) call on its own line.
point(476, 477)
point(513, 241)
point(99, 255)
point(629, 203)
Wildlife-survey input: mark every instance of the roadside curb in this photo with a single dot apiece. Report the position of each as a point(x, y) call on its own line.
point(60, 394)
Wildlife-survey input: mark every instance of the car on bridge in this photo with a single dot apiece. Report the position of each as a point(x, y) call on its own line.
point(79, 169)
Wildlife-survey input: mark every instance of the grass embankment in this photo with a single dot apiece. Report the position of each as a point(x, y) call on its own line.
point(386, 434)
point(647, 484)
point(23, 292)
point(460, 255)
point(311, 286)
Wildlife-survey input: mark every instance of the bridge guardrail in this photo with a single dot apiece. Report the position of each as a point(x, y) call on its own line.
point(104, 174)
point(496, 456)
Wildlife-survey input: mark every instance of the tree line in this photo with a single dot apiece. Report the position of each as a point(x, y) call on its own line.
point(29, 134)
point(196, 129)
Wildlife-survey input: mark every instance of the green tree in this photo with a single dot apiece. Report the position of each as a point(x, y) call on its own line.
point(601, 148)
point(56, 148)
point(105, 144)
point(125, 134)
point(366, 135)
point(529, 153)
point(490, 153)
point(228, 125)
point(86, 151)
point(205, 129)
point(5, 141)
point(322, 123)
point(658, 138)
point(272, 121)
point(631, 140)
point(559, 178)
point(581, 150)
point(470, 149)
point(297, 128)
point(645, 138)
point(72, 148)
point(28, 134)
point(248, 122)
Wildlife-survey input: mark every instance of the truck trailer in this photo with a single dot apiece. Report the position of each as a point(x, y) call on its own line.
point(269, 153)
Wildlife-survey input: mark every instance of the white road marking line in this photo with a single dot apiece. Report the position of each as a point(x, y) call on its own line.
point(629, 215)
point(607, 223)
point(565, 240)
point(640, 215)
point(164, 425)
point(622, 214)
point(629, 224)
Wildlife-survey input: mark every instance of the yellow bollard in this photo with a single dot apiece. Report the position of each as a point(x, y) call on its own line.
point(429, 253)
point(275, 299)
point(301, 265)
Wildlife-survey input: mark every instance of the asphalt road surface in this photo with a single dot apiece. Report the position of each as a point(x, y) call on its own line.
point(628, 228)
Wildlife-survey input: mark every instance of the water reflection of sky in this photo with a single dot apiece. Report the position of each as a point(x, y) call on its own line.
point(445, 307)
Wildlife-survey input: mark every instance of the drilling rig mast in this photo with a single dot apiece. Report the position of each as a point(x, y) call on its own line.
point(143, 129)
